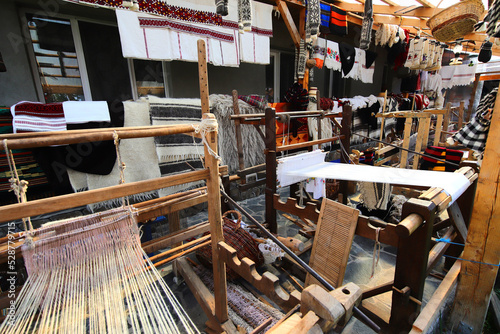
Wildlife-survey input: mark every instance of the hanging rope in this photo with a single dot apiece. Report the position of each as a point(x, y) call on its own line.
point(207, 125)
point(121, 166)
point(20, 187)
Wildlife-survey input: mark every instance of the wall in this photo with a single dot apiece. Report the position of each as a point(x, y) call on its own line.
point(17, 83)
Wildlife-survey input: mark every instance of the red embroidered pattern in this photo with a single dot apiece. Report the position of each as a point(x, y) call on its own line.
point(49, 110)
point(161, 8)
point(155, 23)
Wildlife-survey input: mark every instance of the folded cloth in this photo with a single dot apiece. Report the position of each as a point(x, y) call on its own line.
point(254, 100)
point(37, 117)
point(76, 112)
point(338, 21)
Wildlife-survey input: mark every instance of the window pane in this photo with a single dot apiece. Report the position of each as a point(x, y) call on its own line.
point(55, 56)
point(149, 78)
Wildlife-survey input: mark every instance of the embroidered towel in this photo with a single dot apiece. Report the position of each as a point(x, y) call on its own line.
point(318, 54)
point(37, 117)
point(76, 112)
point(457, 75)
point(332, 57)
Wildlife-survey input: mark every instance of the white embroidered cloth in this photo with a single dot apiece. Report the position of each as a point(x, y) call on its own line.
point(457, 75)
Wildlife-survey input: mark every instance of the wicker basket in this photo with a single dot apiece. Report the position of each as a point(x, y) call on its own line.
point(456, 21)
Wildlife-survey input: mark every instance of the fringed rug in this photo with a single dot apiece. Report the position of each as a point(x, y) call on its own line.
point(138, 155)
point(253, 145)
point(177, 153)
point(245, 310)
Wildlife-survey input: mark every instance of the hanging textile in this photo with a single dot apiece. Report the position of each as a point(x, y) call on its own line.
point(354, 73)
point(244, 15)
point(458, 75)
point(332, 57)
point(37, 117)
point(347, 57)
point(221, 7)
point(313, 17)
point(325, 14)
point(319, 50)
point(338, 21)
point(366, 26)
point(474, 134)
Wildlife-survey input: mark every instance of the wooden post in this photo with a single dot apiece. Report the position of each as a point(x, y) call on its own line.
point(406, 141)
point(213, 189)
point(203, 76)
point(420, 139)
point(345, 142)
point(446, 121)
point(477, 279)
point(468, 113)
point(461, 115)
point(215, 219)
point(439, 128)
point(380, 145)
point(411, 266)
point(271, 169)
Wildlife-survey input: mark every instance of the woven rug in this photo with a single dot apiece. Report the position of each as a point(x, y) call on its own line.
point(253, 145)
point(26, 165)
point(138, 155)
point(177, 153)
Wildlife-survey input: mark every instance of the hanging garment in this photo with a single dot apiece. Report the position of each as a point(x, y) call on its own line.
point(355, 72)
point(338, 21)
point(366, 26)
point(301, 60)
point(367, 66)
point(347, 57)
point(457, 75)
point(313, 17)
point(244, 15)
point(325, 14)
point(221, 7)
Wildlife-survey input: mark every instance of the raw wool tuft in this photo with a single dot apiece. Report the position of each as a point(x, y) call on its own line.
point(253, 145)
point(138, 155)
point(375, 196)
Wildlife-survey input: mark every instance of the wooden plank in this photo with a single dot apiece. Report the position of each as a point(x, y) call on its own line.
point(431, 311)
point(199, 290)
point(406, 142)
point(477, 280)
point(387, 10)
point(290, 24)
point(427, 128)
point(215, 220)
point(457, 219)
point(172, 238)
point(446, 121)
point(170, 207)
point(270, 169)
point(461, 108)
point(439, 128)
point(418, 144)
point(332, 243)
point(307, 144)
point(52, 204)
point(203, 76)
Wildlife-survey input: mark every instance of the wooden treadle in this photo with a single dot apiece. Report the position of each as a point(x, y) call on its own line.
point(332, 243)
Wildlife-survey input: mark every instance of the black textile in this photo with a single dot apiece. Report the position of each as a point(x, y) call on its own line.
point(367, 115)
point(394, 51)
point(370, 57)
point(347, 57)
point(409, 84)
point(2, 65)
point(221, 7)
point(94, 158)
point(485, 53)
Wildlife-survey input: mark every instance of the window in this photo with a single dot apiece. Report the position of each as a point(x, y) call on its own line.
point(56, 59)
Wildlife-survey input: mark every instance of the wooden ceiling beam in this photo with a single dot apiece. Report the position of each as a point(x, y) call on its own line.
point(426, 3)
point(403, 21)
point(290, 24)
point(389, 10)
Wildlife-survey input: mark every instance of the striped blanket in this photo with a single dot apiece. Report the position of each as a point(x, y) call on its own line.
point(180, 152)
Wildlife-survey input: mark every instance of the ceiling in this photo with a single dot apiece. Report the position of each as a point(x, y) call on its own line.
point(410, 14)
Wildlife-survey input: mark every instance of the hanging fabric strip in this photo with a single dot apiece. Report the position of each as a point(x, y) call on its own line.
point(221, 7)
point(366, 27)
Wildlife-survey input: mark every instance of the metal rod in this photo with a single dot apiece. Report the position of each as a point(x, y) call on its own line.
point(360, 315)
point(404, 149)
